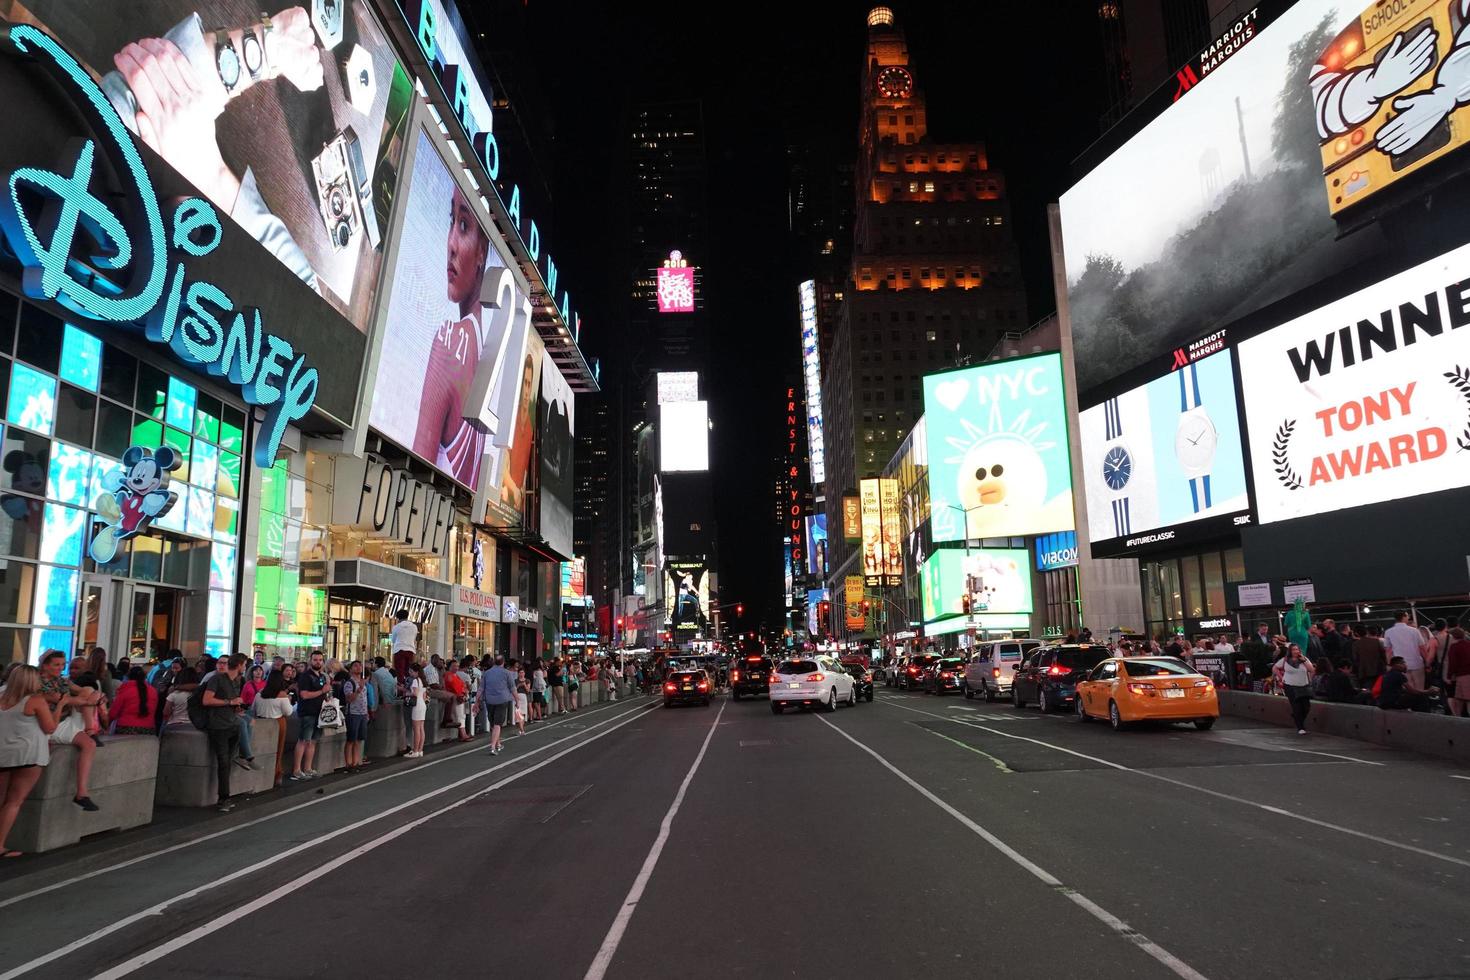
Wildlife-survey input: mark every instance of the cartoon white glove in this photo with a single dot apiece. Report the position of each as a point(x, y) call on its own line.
point(1402, 63)
point(1417, 115)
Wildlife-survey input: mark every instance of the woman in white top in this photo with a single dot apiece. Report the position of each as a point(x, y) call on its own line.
point(274, 701)
point(1295, 673)
point(176, 705)
point(418, 704)
point(26, 720)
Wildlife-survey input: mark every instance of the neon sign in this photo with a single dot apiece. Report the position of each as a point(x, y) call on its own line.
point(811, 364)
point(118, 270)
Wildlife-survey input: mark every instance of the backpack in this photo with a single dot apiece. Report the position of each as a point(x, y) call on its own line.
point(195, 707)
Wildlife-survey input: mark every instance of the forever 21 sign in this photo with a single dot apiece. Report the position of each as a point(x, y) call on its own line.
point(386, 502)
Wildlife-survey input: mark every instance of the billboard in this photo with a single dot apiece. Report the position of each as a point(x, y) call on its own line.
point(678, 386)
point(852, 595)
point(1164, 461)
point(996, 581)
point(811, 369)
point(686, 596)
point(507, 473)
point(814, 599)
point(999, 465)
point(683, 437)
point(555, 431)
point(675, 290)
point(439, 327)
point(877, 559)
point(816, 545)
point(292, 129)
point(1365, 399)
point(574, 580)
point(1336, 117)
point(852, 522)
point(1054, 551)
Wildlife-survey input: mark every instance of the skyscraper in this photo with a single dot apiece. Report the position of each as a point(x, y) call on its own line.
point(935, 276)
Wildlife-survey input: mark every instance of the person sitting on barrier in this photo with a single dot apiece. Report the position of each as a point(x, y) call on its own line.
point(1399, 692)
point(72, 726)
point(135, 709)
point(27, 720)
point(1341, 687)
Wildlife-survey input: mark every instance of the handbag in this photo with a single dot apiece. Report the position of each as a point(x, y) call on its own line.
point(331, 715)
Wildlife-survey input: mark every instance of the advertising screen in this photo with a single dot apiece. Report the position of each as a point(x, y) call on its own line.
point(686, 596)
point(438, 327)
point(872, 532)
point(997, 582)
point(507, 471)
point(556, 431)
point(298, 138)
point(1365, 399)
point(811, 370)
point(1334, 118)
point(683, 437)
point(997, 444)
point(1054, 551)
point(573, 579)
point(852, 523)
point(675, 290)
point(852, 596)
point(678, 386)
point(816, 544)
point(814, 600)
point(1164, 457)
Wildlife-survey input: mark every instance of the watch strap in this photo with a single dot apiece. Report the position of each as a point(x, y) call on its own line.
point(1112, 418)
point(1122, 519)
point(1199, 492)
point(1189, 389)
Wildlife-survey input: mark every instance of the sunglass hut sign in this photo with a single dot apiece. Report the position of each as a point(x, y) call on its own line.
point(76, 250)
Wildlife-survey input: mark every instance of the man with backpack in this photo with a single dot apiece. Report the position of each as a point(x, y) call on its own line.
point(221, 702)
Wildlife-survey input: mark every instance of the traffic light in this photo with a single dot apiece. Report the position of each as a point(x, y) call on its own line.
point(620, 622)
point(965, 603)
point(740, 609)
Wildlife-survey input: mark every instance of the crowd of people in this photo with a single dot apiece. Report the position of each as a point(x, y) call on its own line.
point(56, 703)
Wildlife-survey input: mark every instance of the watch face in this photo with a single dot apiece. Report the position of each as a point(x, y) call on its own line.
point(252, 52)
point(1195, 440)
point(228, 63)
point(895, 83)
point(1117, 468)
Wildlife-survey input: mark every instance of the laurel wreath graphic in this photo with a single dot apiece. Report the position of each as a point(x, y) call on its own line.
point(1460, 378)
point(1279, 449)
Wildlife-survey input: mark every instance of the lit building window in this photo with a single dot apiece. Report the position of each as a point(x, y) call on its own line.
point(929, 187)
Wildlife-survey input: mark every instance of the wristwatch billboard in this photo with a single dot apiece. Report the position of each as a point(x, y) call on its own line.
point(1117, 467)
point(253, 52)
point(1195, 439)
point(226, 60)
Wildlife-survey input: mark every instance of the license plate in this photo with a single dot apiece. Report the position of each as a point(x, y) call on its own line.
point(1174, 693)
point(794, 685)
point(688, 688)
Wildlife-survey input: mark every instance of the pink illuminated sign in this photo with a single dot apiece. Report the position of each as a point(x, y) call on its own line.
point(676, 290)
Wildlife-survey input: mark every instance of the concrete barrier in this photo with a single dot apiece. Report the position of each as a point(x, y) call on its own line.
point(187, 773)
point(386, 734)
point(122, 781)
point(1436, 735)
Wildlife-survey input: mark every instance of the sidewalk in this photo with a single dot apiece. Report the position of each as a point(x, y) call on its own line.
point(1441, 736)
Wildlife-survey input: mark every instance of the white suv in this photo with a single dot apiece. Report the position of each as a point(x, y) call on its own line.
point(811, 680)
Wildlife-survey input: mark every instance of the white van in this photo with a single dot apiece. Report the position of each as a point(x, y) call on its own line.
point(990, 669)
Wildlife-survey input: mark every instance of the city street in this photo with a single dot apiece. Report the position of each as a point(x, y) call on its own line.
point(913, 836)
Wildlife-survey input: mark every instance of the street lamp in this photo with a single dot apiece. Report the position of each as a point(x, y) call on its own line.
point(965, 512)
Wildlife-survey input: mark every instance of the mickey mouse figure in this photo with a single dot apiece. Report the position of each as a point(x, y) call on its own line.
point(142, 495)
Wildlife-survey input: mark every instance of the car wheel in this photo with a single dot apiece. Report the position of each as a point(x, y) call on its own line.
point(1204, 724)
point(1081, 712)
point(969, 694)
point(1041, 700)
point(777, 707)
point(870, 697)
point(852, 696)
point(1114, 718)
point(831, 704)
point(735, 695)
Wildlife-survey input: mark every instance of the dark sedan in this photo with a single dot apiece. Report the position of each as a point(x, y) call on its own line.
point(686, 687)
point(946, 676)
point(1050, 675)
point(862, 679)
point(750, 675)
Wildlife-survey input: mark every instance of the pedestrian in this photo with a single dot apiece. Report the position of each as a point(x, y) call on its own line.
point(71, 727)
point(311, 690)
point(473, 678)
point(523, 689)
point(1341, 686)
point(254, 684)
point(500, 694)
point(1295, 672)
point(556, 680)
point(1404, 640)
point(1368, 655)
point(175, 713)
point(135, 709)
point(222, 705)
point(354, 698)
point(418, 706)
point(273, 703)
point(1457, 671)
point(458, 692)
point(538, 692)
point(574, 684)
point(384, 684)
point(404, 640)
point(1399, 692)
point(98, 667)
point(27, 721)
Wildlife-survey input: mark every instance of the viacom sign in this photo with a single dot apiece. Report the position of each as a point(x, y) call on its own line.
point(1365, 399)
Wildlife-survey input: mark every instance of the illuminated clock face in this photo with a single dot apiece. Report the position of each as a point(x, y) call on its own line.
point(1117, 468)
point(895, 83)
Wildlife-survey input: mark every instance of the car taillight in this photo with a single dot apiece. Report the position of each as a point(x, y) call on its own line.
point(1204, 683)
point(1147, 690)
point(945, 675)
point(671, 686)
point(816, 677)
point(734, 675)
point(704, 685)
point(913, 670)
point(995, 672)
point(1056, 670)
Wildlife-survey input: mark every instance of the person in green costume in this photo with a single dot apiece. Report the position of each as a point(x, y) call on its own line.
point(1299, 624)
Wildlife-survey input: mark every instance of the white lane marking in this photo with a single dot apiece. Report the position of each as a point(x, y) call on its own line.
point(1389, 842)
point(1168, 959)
point(999, 764)
point(1269, 744)
point(276, 859)
point(1453, 776)
point(614, 937)
point(335, 794)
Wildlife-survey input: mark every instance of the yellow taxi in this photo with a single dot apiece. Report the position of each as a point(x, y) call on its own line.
point(1129, 689)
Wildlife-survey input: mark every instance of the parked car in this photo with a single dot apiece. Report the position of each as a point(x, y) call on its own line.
point(946, 675)
point(862, 676)
point(911, 678)
point(989, 672)
point(1049, 676)
point(686, 687)
point(750, 675)
point(811, 680)
point(1125, 690)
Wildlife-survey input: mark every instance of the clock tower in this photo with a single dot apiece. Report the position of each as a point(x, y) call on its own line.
point(893, 106)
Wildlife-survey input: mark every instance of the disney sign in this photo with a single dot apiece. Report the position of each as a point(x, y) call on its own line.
point(77, 251)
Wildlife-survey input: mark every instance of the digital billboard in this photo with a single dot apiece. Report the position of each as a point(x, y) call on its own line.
point(678, 386)
point(506, 473)
point(1307, 152)
point(816, 545)
point(686, 596)
point(683, 437)
point(1165, 458)
point(996, 581)
point(881, 548)
point(852, 518)
point(999, 464)
point(811, 370)
point(852, 595)
point(1054, 551)
point(1365, 399)
point(675, 290)
point(556, 432)
point(293, 130)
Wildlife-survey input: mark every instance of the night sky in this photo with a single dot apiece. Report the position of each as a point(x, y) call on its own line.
point(1021, 76)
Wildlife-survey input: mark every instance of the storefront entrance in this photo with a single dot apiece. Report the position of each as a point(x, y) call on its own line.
point(132, 619)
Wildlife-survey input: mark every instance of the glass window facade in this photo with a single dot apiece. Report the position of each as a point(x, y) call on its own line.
point(1188, 587)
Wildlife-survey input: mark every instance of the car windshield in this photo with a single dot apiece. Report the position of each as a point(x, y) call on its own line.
point(1082, 659)
point(1156, 668)
point(797, 667)
point(853, 668)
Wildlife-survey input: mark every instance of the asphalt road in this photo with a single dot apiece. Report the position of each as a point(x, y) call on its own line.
point(915, 836)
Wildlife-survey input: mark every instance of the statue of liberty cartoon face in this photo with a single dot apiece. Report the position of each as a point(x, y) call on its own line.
point(1001, 473)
